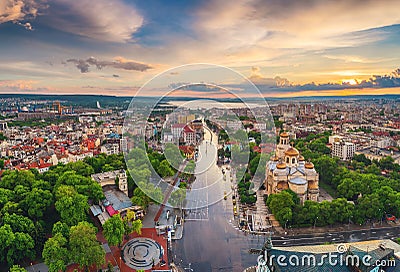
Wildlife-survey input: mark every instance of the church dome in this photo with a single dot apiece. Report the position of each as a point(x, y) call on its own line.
point(281, 165)
point(275, 158)
point(284, 134)
point(292, 152)
point(301, 158)
point(309, 165)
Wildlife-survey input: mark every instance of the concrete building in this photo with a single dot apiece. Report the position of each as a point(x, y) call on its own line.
point(379, 153)
point(3, 126)
point(288, 170)
point(342, 149)
point(109, 178)
point(110, 149)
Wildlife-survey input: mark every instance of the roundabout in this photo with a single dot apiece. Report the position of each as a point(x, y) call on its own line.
point(142, 253)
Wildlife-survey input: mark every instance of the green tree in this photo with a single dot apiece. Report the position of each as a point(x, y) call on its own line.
point(137, 226)
point(7, 237)
point(17, 268)
point(55, 253)
point(19, 223)
point(10, 179)
point(36, 202)
point(326, 167)
point(62, 228)
point(5, 196)
point(349, 188)
point(85, 250)
point(177, 197)
point(173, 154)
point(21, 247)
point(81, 168)
point(113, 230)
point(72, 209)
point(164, 169)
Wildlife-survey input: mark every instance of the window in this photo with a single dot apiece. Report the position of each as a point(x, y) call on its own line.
point(293, 160)
point(287, 160)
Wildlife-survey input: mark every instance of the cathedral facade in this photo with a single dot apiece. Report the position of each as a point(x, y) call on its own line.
point(289, 170)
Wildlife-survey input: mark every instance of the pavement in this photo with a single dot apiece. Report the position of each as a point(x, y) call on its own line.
point(40, 267)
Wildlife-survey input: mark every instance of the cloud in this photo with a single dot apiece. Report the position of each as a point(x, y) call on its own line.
point(290, 24)
point(195, 86)
point(282, 85)
point(258, 79)
point(103, 20)
point(27, 25)
point(118, 63)
point(19, 10)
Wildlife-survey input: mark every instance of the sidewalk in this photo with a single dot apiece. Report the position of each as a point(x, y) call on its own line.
point(341, 228)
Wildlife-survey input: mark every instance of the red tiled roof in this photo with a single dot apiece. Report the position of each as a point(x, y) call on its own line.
point(111, 211)
point(188, 129)
point(178, 125)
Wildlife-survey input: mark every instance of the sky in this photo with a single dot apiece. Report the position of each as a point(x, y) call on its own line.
point(285, 47)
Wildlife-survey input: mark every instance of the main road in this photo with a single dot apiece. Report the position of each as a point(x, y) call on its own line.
point(211, 242)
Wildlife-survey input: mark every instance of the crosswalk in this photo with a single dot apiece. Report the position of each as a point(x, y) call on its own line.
point(196, 210)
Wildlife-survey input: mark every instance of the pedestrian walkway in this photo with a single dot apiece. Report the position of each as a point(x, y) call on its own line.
point(261, 221)
point(169, 190)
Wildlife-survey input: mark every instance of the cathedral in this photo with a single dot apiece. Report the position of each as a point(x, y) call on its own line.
point(288, 170)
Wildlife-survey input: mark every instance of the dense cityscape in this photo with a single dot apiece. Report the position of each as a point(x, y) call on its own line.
point(199, 136)
point(76, 179)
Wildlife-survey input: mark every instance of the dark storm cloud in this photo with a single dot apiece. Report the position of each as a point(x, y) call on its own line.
point(120, 63)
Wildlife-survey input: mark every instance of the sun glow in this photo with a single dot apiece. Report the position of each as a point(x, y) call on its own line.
point(350, 81)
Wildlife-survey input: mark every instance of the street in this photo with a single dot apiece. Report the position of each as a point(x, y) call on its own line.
point(211, 240)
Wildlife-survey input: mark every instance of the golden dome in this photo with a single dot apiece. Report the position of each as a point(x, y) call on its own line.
point(301, 158)
point(309, 165)
point(292, 152)
point(275, 158)
point(281, 165)
point(284, 134)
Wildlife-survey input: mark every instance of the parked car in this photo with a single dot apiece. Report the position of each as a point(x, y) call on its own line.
point(390, 217)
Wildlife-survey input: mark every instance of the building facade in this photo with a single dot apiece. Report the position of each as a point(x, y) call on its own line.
point(288, 170)
point(342, 149)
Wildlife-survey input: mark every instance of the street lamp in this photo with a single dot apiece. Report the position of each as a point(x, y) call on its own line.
point(315, 222)
point(286, 223)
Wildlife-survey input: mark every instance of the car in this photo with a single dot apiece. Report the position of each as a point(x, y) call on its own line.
point(225, 197)
point(234, 201)
point(390, 217)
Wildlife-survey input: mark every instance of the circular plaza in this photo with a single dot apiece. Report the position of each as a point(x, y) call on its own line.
point(142, 253)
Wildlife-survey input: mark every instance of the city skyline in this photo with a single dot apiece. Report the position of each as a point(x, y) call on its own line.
point(287, 48)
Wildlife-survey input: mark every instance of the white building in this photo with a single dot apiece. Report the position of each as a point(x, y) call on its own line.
point(110, 178)
point(176, 130)
point(343, 150)
point(382, 142)
point(110, 149)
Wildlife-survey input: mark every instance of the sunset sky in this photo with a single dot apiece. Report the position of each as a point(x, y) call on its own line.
point(286, 47)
